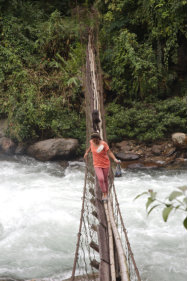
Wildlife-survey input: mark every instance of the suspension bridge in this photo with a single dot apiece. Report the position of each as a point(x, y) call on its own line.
point(103, 251)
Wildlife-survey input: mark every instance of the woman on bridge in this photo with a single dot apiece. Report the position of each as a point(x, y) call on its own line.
point(101, 153)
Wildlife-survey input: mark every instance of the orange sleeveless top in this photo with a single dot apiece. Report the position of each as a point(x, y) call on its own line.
point(100, 159)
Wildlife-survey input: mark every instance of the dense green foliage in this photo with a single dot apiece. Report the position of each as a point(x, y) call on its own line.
point(146, 122)
point(142, 49)
point(40, 64)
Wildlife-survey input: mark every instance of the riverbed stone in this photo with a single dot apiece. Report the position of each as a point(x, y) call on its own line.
point(21, 149)
point(63, 164)
point(136, 166)
point(157, 149)
point(127, 156)
point(169, 151)
point(125, 146)
point(7, 146)
point(51, 149)
point(179, 140)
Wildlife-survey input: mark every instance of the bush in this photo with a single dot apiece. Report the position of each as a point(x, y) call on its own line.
point(146, 122)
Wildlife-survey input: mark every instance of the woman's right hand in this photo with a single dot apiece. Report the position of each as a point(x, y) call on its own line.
point(117, 161)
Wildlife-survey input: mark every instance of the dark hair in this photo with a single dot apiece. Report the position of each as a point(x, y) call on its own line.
point(95, 135)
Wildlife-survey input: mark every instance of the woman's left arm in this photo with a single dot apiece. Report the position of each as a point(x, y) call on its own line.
point(113, 156)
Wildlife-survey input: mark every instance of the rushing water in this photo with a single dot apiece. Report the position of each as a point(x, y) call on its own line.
point(39, 217)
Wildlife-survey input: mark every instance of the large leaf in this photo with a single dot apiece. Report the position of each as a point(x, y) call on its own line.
point(185, 201)
point(185, 222)
point(174, 194)
point(149, 202)
point(153, 208)
point(139, 195)
point(166, 213)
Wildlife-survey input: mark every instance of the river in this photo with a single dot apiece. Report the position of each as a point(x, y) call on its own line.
point(39, 217)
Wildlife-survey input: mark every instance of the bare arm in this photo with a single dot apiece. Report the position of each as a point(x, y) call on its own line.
point(86, 153)
point(111, 155)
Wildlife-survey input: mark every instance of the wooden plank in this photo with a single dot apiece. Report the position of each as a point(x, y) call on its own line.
point(121, 255)
point(101, 213)
point(94, 227)
point(103, 243)
point(118, 276)
point(99, 205)
point(102, 231)
point(92, 200)
point(94, 263)
point(94, 213)
point(111, 245)
point(93, 245)
point(104, 271)
point(91, 190)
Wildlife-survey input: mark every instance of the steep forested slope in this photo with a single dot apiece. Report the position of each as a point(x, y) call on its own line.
point(143, 57)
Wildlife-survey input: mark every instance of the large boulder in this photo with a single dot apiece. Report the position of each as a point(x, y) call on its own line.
point(179, 140)
point(127, 156)
point(3, 127)
point(123, 145)
point(7, 146)
point(51, 149)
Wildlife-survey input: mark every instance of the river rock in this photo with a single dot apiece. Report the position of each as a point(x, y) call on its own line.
point(157, 149)
point(178, 163)
point(3, 127)
point(169, 151)
point(7, 145)
point(136, 166)
point(179, 140)
point(63, 164)
point(21, 149)
point(127, 156)
point(124, 146)
point(51, 149)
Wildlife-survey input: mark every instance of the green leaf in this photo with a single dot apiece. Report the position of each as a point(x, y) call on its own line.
point(177, 207)
point(168, 205)
point(166, 213)
point(185, 222)
point(153, 208)
point(174, 194)
point(153, 195)
point(185, 201)
point(139, 195)
point(149, 202)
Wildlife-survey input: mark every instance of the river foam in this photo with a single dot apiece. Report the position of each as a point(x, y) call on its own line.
point(40, 207)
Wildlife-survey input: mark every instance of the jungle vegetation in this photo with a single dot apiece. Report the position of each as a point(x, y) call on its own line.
point(143, 58)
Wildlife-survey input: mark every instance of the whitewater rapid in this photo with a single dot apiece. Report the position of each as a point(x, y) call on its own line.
point(39, 217)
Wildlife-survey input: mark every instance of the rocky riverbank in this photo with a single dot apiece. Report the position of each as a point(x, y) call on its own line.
point(170, 153)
